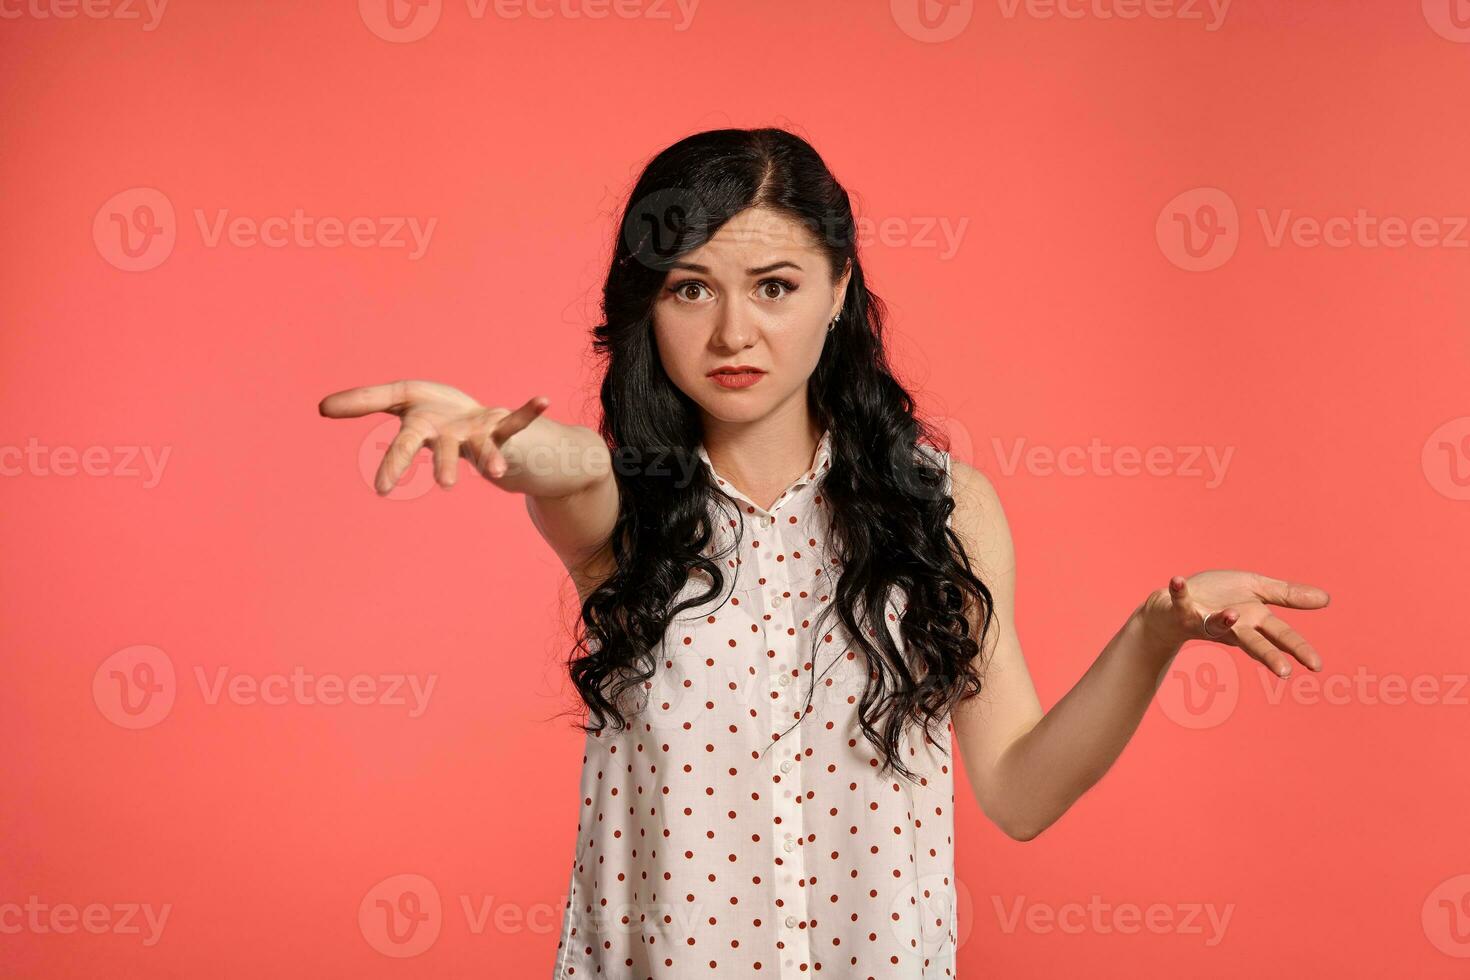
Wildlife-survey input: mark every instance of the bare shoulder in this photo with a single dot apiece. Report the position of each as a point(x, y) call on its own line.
point(980, 520)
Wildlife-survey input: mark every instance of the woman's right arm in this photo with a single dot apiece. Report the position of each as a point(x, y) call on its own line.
point(564, 471)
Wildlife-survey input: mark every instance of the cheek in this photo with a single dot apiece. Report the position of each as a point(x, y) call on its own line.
point(675, 350)
point(798, 349)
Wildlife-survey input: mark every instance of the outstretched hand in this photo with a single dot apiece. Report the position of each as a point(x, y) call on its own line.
point(445, 419)
point(1233, 608)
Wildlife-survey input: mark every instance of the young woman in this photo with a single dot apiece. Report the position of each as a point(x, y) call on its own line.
point(767, 787)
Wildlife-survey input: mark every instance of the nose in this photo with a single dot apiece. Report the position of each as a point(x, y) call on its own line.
point(735, 327)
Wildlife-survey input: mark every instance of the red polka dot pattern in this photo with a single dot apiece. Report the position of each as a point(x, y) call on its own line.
point(739, 828)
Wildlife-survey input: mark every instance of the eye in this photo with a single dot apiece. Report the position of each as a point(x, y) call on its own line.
point(680, 290)
point(789, 287)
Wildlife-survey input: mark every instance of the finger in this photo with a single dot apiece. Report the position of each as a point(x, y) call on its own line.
point(1257, 646)
point(486, 455)
point(1294, 595)
point(353, 402)
point(520, 418)
point(1288, 639)
point(1217, 624)
point(446, 460)
point(411, 436)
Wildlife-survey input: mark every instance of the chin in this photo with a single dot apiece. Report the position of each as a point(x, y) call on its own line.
point(727, 411)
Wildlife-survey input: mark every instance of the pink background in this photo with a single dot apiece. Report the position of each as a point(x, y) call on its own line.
point(1330, 828)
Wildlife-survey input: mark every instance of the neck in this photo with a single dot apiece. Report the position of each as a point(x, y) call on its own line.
point(763, 457)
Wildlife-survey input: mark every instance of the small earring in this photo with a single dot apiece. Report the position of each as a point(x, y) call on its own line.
point(834, 321)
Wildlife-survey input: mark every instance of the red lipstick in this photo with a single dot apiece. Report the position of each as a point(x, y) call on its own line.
point(736, 376)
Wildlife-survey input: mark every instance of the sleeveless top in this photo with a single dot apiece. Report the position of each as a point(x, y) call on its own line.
point(735, 830)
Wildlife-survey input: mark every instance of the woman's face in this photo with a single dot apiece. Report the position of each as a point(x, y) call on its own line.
point(758, 294)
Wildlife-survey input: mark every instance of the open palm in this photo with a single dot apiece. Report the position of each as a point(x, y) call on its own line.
point(1234, 608)
point(443, 418)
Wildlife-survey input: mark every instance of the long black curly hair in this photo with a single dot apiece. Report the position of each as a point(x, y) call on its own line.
point(888, 503)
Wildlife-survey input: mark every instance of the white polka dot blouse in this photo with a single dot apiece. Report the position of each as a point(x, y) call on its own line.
point(739, 828)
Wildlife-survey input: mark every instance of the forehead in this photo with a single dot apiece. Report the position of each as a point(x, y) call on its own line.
point(755, 230)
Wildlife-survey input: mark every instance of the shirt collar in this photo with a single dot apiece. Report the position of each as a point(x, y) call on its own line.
point(821, 463)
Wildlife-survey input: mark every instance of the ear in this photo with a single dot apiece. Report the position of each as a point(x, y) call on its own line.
point(839, 289)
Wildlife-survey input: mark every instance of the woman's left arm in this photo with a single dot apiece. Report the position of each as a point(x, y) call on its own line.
point(1028, 767)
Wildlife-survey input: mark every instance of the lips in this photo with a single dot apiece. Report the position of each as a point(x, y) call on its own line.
point(739, 376)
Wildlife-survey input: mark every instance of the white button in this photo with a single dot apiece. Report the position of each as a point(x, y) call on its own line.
point(776, 602)
point(786, 766)
point(768, 521)
point(788, 845)
point(791, 920)
point(785, 679)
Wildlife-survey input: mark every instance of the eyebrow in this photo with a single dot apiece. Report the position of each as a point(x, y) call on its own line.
point(758, 271)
